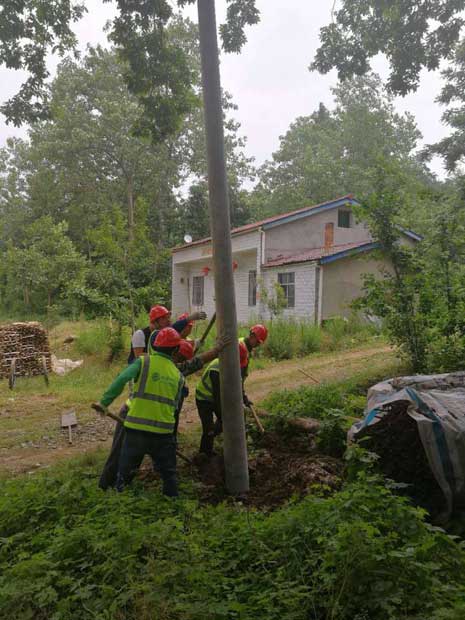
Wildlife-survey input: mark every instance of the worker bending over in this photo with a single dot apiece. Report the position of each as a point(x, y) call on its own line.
point(257, 336)
point(208, 400)
point(183, 357)
point(150, 422)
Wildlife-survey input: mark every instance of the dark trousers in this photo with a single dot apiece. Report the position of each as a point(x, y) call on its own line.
point(110, 469)
point(210, 427)
point(162, 450)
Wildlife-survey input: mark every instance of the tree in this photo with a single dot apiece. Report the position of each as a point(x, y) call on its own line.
point(334, 152)
point(452, 148)
point(157, 70)
point(413, 34)
point(44, 267)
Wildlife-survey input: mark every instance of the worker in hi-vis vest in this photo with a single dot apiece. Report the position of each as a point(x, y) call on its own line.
point(151, 419)
point(208, 401)
point(188, 364)
point(257, 336)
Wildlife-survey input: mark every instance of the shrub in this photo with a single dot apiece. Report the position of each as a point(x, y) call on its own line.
point(70, 551)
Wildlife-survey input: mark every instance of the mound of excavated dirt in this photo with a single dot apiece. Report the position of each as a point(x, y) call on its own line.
point(280, 469)
point(395, 439)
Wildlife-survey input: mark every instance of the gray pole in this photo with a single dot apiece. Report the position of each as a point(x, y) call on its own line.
point(235, 448)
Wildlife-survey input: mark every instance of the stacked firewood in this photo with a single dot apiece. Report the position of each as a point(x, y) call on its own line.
point(27, 343)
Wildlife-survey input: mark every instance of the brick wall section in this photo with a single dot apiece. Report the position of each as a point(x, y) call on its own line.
point(304, 290)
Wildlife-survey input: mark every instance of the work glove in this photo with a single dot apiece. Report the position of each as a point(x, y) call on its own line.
point(197, 316)
point(222, 342)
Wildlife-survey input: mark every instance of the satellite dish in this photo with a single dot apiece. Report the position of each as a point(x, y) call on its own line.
point(187, 239)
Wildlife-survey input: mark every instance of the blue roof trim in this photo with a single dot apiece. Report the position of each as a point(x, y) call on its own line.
point(363, 248)
point(311, 211)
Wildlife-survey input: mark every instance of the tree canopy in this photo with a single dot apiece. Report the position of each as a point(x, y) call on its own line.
point(156, 69)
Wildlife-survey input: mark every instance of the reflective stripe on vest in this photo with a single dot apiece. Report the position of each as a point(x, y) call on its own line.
point(204, 390)
point(156, 395)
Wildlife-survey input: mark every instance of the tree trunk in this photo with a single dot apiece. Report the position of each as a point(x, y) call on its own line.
point(130, 190)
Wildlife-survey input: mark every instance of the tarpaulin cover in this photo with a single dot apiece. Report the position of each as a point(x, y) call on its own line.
point(437, 404)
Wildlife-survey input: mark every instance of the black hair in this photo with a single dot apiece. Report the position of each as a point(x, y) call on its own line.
point(166, 350)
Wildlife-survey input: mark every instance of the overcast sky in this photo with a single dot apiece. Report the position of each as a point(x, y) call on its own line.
point(269, 80)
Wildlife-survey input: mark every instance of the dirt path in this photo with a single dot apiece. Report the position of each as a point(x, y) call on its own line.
point(94, 432)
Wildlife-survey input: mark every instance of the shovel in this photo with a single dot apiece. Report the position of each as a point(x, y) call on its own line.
point(103, 411)
point(68, 420)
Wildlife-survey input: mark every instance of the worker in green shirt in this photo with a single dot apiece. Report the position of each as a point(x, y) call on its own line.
point(183, 357)
point(150, 422)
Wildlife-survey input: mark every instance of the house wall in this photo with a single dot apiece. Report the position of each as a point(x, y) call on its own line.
point(182, 291)
point(308, 233)
point(305, 298)
point(342, 282)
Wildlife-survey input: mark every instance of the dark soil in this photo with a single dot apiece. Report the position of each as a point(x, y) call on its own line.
point(395, 439)
point(279, 468)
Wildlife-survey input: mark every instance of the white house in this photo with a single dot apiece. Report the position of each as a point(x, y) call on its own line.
point(318, 254)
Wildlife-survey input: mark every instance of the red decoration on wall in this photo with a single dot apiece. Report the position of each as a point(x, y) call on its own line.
point(206, 271)
point(235, 265)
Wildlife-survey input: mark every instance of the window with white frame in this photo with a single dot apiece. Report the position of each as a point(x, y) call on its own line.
point(287, 282)
point(343, 218)
point(197, 290)
point(252, 288)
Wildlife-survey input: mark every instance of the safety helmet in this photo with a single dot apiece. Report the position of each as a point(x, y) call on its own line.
point(167, 337)
point(186, 349)
point(157, 312)
point(184, 316)
point(243, 355)
point(260, 332)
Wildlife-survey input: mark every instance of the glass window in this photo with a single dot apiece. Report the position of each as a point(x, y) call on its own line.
point(287, 281)
point(252, 288)
point(343, 218)
point(197, 290)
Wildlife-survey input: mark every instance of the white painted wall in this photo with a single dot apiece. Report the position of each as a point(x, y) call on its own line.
point(246, 260)
point(309, 233)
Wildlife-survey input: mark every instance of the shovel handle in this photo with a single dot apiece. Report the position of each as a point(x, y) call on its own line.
point(205, 333)
point(257, 421)
point(99, 409)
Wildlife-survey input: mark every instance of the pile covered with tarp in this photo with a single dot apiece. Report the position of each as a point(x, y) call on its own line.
point(416, 425)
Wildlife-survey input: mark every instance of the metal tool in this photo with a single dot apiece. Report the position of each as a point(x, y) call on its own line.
point(68, 420)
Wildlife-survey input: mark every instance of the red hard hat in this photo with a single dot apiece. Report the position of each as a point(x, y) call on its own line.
point(157, 312)
point(260, 332)
point(184, 316)
point(167, 337)
point(243, 355)
point(186, 349)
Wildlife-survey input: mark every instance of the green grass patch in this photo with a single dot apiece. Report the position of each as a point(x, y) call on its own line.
point(70, 551)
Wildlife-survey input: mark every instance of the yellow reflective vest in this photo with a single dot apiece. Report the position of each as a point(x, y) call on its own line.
point(156, 395)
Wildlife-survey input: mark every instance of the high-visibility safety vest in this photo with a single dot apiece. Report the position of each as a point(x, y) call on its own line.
point(204, 389)
point(156, 396)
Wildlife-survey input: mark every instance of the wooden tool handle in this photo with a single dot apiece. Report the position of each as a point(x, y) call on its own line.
point(98, 407)
point(257, 421)
point(205, 333)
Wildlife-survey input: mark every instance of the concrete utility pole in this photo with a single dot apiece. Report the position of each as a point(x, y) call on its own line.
point(235, 448)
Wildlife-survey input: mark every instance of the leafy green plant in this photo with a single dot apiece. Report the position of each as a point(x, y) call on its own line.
point(70, 551)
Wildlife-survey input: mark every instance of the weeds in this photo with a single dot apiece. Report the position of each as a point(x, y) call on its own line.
point(69, 551)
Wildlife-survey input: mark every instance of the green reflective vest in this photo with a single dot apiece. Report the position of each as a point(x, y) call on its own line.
point(155, 400)
point(204, 389)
